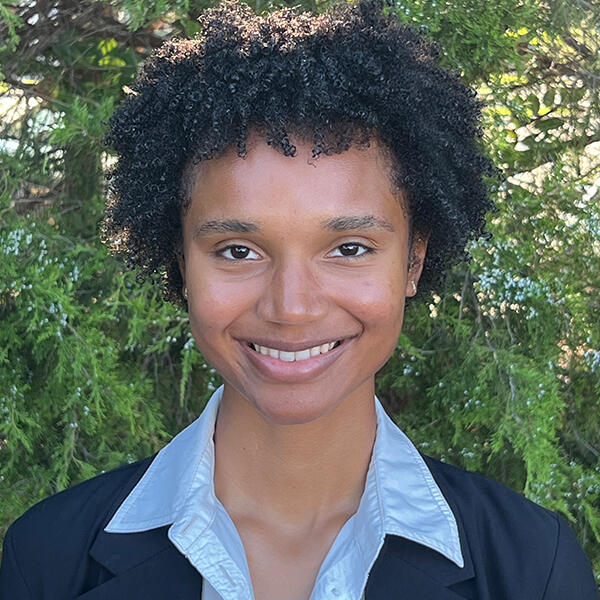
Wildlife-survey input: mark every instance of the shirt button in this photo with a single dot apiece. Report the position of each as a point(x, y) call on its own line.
point(335, 591)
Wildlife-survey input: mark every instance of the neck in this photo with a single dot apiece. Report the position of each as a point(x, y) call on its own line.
point(293, 475)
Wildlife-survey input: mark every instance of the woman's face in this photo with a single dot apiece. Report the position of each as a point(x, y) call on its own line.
point(297, 271)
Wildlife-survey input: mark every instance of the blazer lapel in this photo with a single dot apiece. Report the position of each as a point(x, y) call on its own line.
point(145, 565)
point(405, 569)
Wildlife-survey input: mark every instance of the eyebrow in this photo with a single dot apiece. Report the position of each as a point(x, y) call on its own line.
point(344, 223)
point(357, 222)
point(223, 226)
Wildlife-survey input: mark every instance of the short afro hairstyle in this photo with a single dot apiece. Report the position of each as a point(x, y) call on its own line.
point(336, 79)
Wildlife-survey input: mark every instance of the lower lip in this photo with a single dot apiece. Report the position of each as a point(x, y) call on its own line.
point(297, 371)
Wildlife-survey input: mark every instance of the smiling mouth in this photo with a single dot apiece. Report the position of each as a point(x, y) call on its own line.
point(294, 356)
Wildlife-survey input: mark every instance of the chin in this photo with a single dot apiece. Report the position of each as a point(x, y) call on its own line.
point(291, 411)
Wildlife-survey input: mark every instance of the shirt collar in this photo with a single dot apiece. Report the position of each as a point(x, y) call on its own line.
point(401, 496)
point(412, 504)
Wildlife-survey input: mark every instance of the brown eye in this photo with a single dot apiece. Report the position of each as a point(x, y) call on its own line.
point(238, 253)
point(349, 249)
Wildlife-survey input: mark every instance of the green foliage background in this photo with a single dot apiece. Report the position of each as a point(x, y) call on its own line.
point(499, 374)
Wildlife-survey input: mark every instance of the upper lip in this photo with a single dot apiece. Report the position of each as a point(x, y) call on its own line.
point(292, 346)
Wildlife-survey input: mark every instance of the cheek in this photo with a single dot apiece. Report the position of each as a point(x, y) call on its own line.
point(378, 301)
point(216, 302)
point(380, 308)
point(211, 312)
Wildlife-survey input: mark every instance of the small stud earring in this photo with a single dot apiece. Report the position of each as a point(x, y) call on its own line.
point(414, 286)
point(185, 293)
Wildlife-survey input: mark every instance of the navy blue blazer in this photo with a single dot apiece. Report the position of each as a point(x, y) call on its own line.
point(513, 550)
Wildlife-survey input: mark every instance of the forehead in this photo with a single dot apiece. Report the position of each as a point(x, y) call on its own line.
point(357, 178)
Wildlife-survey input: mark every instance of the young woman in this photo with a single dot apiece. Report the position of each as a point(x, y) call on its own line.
point(296, 179)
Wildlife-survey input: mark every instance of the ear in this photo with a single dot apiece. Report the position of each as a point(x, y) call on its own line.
point(415, 262)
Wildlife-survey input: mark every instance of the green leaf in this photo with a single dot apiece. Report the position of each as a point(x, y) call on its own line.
point(549, 97)
point(548, 124)
point(534, 103)
point(107, 46)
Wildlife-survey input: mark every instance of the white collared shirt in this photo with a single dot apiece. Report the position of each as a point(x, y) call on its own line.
point(400, 498)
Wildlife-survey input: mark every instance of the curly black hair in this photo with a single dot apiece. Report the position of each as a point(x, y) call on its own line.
point(352, 74)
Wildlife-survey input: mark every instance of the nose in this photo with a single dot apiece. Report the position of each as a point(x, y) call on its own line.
point(293, 295)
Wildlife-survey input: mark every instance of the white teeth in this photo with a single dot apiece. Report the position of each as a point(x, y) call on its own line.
point(293, 356)
point(302, 355)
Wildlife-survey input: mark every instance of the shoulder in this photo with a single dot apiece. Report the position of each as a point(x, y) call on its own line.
point(514, 542)
point(481, 499)
point(87, 503)
point(46, 550)
point(62, 528)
